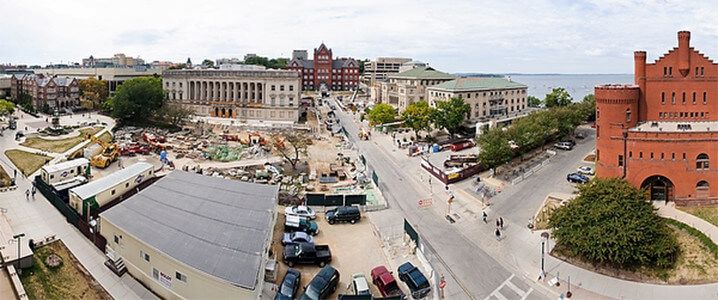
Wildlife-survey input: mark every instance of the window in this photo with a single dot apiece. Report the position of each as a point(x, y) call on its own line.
point(684, 156)
point(127, 185)
point(155, 274)
point(684, 98)
point(291, 88)
point(630, 154)
point(628, 115)
point(620, 160)
point(702, 162)
point(694, 97)
point(273, 87)
point(181, 277)
point(144, 256)
point(673, 156)
point(673, 98)
point(113, 192)
point(651, 155)
point(662, 156)
point(663, 97)
point(117, 240)
point(702, 189)
point(705, 98)
point(640, 155)
point(670, 71)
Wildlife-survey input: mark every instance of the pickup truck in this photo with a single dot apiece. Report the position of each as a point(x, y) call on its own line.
point(415, 280)
point(297, 223)
point(385, 282)
point(305, 253)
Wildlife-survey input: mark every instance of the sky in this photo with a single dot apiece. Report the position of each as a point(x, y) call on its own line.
point(521, 36)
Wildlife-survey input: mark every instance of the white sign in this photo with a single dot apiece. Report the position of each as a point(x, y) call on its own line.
point(165, 280)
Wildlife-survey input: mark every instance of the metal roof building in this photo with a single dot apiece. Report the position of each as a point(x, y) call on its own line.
point(192, 236)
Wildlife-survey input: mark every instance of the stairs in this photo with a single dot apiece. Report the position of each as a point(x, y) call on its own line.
point(115, 262)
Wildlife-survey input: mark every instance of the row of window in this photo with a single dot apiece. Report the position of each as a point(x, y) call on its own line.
point(671, 115)
point(484, 94)
point(683, 98)
point(281, 87)
point(702, 160)
point(668, 71)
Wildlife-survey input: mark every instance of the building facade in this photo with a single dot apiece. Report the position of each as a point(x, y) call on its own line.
point(325, 72)
point(381, 67)
point(46, 91)
point(490, 98)
point(662, 132)
point(114, 76)
point(244, 95)
point(117, 60)
point(402, 89)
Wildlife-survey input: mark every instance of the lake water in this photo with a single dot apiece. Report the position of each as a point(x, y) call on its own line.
point(576, 85)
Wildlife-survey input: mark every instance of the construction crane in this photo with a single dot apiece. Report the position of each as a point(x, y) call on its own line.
point(110, 152)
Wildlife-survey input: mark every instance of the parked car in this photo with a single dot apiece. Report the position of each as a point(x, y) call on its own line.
point(570, 142)
point(586, 170)
point(322, 285)
point(301, 210)
point(290, 285)
point(296, 223)
point(296, 238)
point(360, 285)
point(580, 136)
point(577, 178)
point(349, 214)
point(305, 253)
point(415, 280)
point(563, 146)
point(385, 282)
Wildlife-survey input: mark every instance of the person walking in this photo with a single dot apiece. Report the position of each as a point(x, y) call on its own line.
point(498, 223)
point(27, 194)
point(498, 234)
point(484, 216)
point(501, 223)
point(34, 190)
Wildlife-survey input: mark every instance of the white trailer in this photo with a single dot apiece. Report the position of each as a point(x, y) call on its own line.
point(66, 174)
point(89, 198)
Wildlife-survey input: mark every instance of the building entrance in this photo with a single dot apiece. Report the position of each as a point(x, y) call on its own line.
point(658, 188)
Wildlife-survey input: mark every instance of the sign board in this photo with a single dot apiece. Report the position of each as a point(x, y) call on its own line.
point(425, 202)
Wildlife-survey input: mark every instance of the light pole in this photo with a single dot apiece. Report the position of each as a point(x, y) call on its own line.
point(544, 240)
point(17, 237)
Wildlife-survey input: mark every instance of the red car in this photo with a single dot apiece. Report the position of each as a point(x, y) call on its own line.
point(385, 282)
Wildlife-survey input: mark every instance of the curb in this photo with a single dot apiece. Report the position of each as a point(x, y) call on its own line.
point(9, 188)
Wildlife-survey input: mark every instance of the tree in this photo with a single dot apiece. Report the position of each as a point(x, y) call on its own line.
point(207, 63)
point(6, 107)
point(177, 67)
point(291, 145)
point(362, 65)
point(611, 223)
point(381, 113)
point(94, 90)
point(533, 101)
point(558, 97)
point(450, 114)
point(495, 148)
point(588, 107)
point(137, 100)
point(417, 116)
point(274, 63)
point(175, 114)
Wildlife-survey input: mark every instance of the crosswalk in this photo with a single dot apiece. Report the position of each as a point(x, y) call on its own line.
point(509, 290)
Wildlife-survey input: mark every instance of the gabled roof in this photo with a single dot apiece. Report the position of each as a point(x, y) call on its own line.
point(322, 46)
point(301, 63)
point(344, 63)
point(423, 73)
point(477, 84)
point(218, 226)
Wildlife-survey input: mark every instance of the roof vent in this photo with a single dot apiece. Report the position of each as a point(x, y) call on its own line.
point(654, 124)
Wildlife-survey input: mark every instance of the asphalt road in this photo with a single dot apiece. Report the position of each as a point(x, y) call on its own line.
point(477, 273)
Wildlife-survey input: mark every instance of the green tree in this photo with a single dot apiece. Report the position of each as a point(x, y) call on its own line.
point(208, 63)
point(533, 101)
point(94, 90)
point(137, 100)
point(381, 113)
point(362, 64)
point(177, 67)
point(558, 97)
point(450, 114)
point(611, 223)
point(175, 114)
point(417, 116)
point(588, 107)
point(274, 63)
point(495, 148)
point(6, 107)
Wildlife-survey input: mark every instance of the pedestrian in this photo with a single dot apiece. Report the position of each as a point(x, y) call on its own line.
point(501, 222)
point(33, 193)
point(498, 234)
point(484, 215)
point(14, 172)
point(27, 194)
point(498, 223)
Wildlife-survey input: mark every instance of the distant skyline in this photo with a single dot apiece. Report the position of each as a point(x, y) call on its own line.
point(524, 36)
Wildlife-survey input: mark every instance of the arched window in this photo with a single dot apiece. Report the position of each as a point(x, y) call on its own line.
point(702, 189)
point(702, 162)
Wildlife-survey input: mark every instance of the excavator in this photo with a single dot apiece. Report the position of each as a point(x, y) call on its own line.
point(109, 153)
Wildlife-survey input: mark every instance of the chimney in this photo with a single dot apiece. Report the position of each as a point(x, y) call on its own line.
point(684, 55)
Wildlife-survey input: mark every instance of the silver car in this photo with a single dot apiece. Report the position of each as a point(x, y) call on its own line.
point(297, 237)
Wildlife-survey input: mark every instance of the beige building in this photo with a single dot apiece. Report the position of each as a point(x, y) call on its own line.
point(244, 95)
point(404, 88)
point(490, 98)
point(117, 60)
point(381, 67)
point(189, 236)
point(113, 76)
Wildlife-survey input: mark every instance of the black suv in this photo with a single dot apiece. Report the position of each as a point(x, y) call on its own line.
point(343, 214)
point(322, 285)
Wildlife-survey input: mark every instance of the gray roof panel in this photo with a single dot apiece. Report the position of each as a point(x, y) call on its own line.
point(218, 226)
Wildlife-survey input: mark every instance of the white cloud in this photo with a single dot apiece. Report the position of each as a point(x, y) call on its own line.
point(457, 36)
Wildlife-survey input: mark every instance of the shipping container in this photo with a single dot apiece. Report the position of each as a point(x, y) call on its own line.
point(66, 174)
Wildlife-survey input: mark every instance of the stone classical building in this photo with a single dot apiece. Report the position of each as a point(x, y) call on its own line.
point(268, 95)
point(402, 89)
point(662, 132)
point(324, 71)
point(46, 91)
point(490, 98)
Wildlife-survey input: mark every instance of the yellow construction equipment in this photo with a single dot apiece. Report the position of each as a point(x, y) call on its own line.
point(109, 153)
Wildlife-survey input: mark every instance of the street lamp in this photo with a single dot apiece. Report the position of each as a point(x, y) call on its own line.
point(17, 237)
point(544, 240)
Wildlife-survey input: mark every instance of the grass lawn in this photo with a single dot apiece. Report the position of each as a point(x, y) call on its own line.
point(26, 162)
point(69, 280)
point(58, 146)
point(5, 179)
point(708, 213)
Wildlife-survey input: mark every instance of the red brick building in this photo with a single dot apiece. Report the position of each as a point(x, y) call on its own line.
point(50, 92)
point(325, 72)
point(662, 133)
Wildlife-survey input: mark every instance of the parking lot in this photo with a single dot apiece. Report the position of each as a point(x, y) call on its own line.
point(356, 248)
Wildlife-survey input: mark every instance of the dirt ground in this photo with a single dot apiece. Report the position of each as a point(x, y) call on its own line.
point(68, 281)
point(355, 249)
point(26, 162)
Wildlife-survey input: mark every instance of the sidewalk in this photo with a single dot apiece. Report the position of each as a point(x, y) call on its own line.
point(670, 211)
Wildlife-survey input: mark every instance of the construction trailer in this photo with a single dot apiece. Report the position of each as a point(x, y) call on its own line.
point(66, 174)
point(89, 198)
